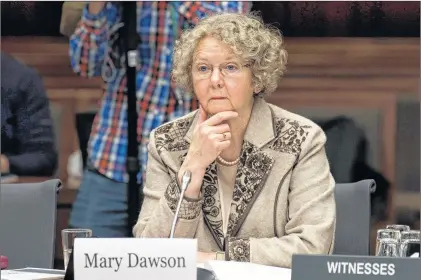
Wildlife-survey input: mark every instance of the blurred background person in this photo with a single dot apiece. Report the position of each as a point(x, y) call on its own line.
point(28, 145)
point(101, 203)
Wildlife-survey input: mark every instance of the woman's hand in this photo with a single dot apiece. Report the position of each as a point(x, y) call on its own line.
point(210, 137)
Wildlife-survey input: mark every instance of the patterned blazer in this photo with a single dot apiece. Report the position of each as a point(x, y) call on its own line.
point(283, 201)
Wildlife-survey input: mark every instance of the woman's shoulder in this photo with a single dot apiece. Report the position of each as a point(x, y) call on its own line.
point(285, 120)
point(283, 114)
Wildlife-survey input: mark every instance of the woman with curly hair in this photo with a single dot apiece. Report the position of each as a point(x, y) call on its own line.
point(261, 188)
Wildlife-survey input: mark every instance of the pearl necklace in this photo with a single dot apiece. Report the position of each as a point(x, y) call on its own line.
point(228, 163)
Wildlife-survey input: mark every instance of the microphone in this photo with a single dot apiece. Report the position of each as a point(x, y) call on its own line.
point(202, 274)
point(185, 181)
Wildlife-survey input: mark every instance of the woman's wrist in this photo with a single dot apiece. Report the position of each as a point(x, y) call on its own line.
point(193, 190)
point(197, 171)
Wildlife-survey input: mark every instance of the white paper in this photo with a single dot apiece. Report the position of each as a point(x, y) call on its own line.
point(42, 270)
point(416, 255)
point(21, 275)
point(201, 265)
point(247, 271)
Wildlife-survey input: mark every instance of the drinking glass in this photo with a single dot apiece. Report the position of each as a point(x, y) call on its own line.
point(387, 241)
point(68, 237)
point(398, 227)
point(410, 243)
point(388, 248)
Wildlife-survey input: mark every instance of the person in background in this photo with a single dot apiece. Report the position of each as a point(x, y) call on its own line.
point(261, 189)
point(28, 145)
point(101, 203)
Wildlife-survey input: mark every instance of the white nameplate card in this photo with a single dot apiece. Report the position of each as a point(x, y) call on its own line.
point(135, 258)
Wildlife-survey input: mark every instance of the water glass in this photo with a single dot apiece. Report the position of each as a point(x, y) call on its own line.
point(410, 243)
point(388, 248)
point(387, 242)
point(68, 237)
point(398, 227)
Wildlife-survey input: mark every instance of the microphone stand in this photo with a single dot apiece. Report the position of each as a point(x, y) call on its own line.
point(130, 41)
point(202, 274)
point(186, 179)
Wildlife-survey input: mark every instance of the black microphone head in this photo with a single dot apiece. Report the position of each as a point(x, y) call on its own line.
point(204, 274)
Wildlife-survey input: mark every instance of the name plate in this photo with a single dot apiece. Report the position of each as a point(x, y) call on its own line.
point(332, 267)
point(135, 258)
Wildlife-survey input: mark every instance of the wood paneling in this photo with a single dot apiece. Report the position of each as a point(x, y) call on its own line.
point(331, 64)
point(360, 64)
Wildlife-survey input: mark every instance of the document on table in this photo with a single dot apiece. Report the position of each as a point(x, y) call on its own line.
point(247, 271)
point(25, 275)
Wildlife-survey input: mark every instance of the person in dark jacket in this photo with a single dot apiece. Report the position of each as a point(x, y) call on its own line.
point(28, 145)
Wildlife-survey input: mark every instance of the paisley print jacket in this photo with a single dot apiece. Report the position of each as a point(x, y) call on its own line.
point(283, 201)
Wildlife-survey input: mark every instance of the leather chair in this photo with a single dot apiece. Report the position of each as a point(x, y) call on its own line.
point(28, 223)
point(353, 219)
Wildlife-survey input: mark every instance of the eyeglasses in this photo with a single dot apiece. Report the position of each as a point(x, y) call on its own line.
point(229, 69)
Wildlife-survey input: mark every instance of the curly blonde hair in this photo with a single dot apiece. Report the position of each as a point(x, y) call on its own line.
point(248, 37)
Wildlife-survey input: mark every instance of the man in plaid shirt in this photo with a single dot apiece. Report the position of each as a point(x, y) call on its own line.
point(101, 204)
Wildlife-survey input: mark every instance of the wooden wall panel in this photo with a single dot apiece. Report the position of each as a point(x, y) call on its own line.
point(332, 64)
point(337, 64)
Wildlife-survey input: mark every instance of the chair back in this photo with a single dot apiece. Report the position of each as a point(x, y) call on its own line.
point(28, 223)
point(353, 219)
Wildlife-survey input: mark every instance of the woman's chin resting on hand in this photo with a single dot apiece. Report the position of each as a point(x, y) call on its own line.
point(261, 187)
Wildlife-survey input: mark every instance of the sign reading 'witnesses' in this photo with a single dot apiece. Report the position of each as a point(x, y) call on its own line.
point(134, 258)
point(319, 267)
